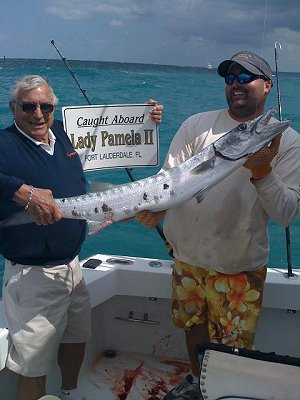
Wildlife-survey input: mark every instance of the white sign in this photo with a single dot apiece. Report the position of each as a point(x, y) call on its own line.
point(111, 136)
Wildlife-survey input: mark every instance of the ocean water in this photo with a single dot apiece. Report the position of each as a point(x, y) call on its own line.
point(183, 91)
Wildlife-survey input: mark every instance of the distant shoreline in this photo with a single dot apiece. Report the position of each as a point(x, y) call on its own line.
point(57, 62)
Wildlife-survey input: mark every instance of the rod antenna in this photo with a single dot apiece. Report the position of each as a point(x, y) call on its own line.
point(290, 273)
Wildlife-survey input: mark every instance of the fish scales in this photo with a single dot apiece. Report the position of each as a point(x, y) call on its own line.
point(167, 189)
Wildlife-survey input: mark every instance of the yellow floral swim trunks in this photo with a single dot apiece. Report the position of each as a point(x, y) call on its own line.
point(229, 304)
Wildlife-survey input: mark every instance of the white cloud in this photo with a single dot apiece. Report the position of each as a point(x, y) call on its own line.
point(116, 23)
point(181, 32)
point(75, 9)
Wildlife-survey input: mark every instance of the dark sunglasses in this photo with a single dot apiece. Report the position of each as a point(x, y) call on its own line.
point(31, 107)
point(242, 77)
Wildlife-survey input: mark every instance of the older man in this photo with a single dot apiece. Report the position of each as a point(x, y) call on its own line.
point(46, 301)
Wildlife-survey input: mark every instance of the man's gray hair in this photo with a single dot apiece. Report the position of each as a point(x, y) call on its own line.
point(29, 82)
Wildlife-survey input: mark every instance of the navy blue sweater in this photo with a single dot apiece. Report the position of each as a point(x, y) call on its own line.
point(21, 161)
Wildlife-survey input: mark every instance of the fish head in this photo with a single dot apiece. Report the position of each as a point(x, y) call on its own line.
point(249, 137)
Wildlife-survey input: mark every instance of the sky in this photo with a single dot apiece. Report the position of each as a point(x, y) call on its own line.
point(172, 32)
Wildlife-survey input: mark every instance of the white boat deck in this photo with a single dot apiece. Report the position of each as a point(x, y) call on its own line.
point(135, 351)
point(130, 376)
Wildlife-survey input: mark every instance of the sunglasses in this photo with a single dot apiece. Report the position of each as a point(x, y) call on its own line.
point(242, 77)
point(31, 107)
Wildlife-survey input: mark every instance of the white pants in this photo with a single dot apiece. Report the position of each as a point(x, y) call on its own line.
point(44, 307)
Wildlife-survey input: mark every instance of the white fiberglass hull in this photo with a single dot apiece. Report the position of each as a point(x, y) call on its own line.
point(135, 351)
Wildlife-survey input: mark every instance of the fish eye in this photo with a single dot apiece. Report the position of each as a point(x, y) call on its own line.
point(242, 127)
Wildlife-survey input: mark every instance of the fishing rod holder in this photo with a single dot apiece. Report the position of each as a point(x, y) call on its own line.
point(290, 275)
point(144, 320)
point(128, 261)
point(119, 261)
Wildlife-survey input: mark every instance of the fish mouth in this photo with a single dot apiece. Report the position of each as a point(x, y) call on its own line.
point(261, 122)
point(262, 125)
point(249, 137)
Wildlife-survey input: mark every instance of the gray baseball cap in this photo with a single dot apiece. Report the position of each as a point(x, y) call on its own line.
point(250, 61)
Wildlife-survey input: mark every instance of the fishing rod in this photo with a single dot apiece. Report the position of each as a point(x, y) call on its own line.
point(65, 61)
point(290, 273)
point(128, 171)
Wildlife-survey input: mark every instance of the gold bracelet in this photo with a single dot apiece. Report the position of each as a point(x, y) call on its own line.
point(29, 197)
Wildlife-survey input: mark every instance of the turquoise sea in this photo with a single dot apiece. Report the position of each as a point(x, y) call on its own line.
point(183, 91)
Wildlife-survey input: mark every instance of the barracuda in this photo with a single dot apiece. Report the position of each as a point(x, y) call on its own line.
point(168, 189)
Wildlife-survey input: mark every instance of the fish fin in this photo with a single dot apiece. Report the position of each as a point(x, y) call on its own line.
point(97, 186)
point(199, 196)
point(97, 226)
point(203, 166)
